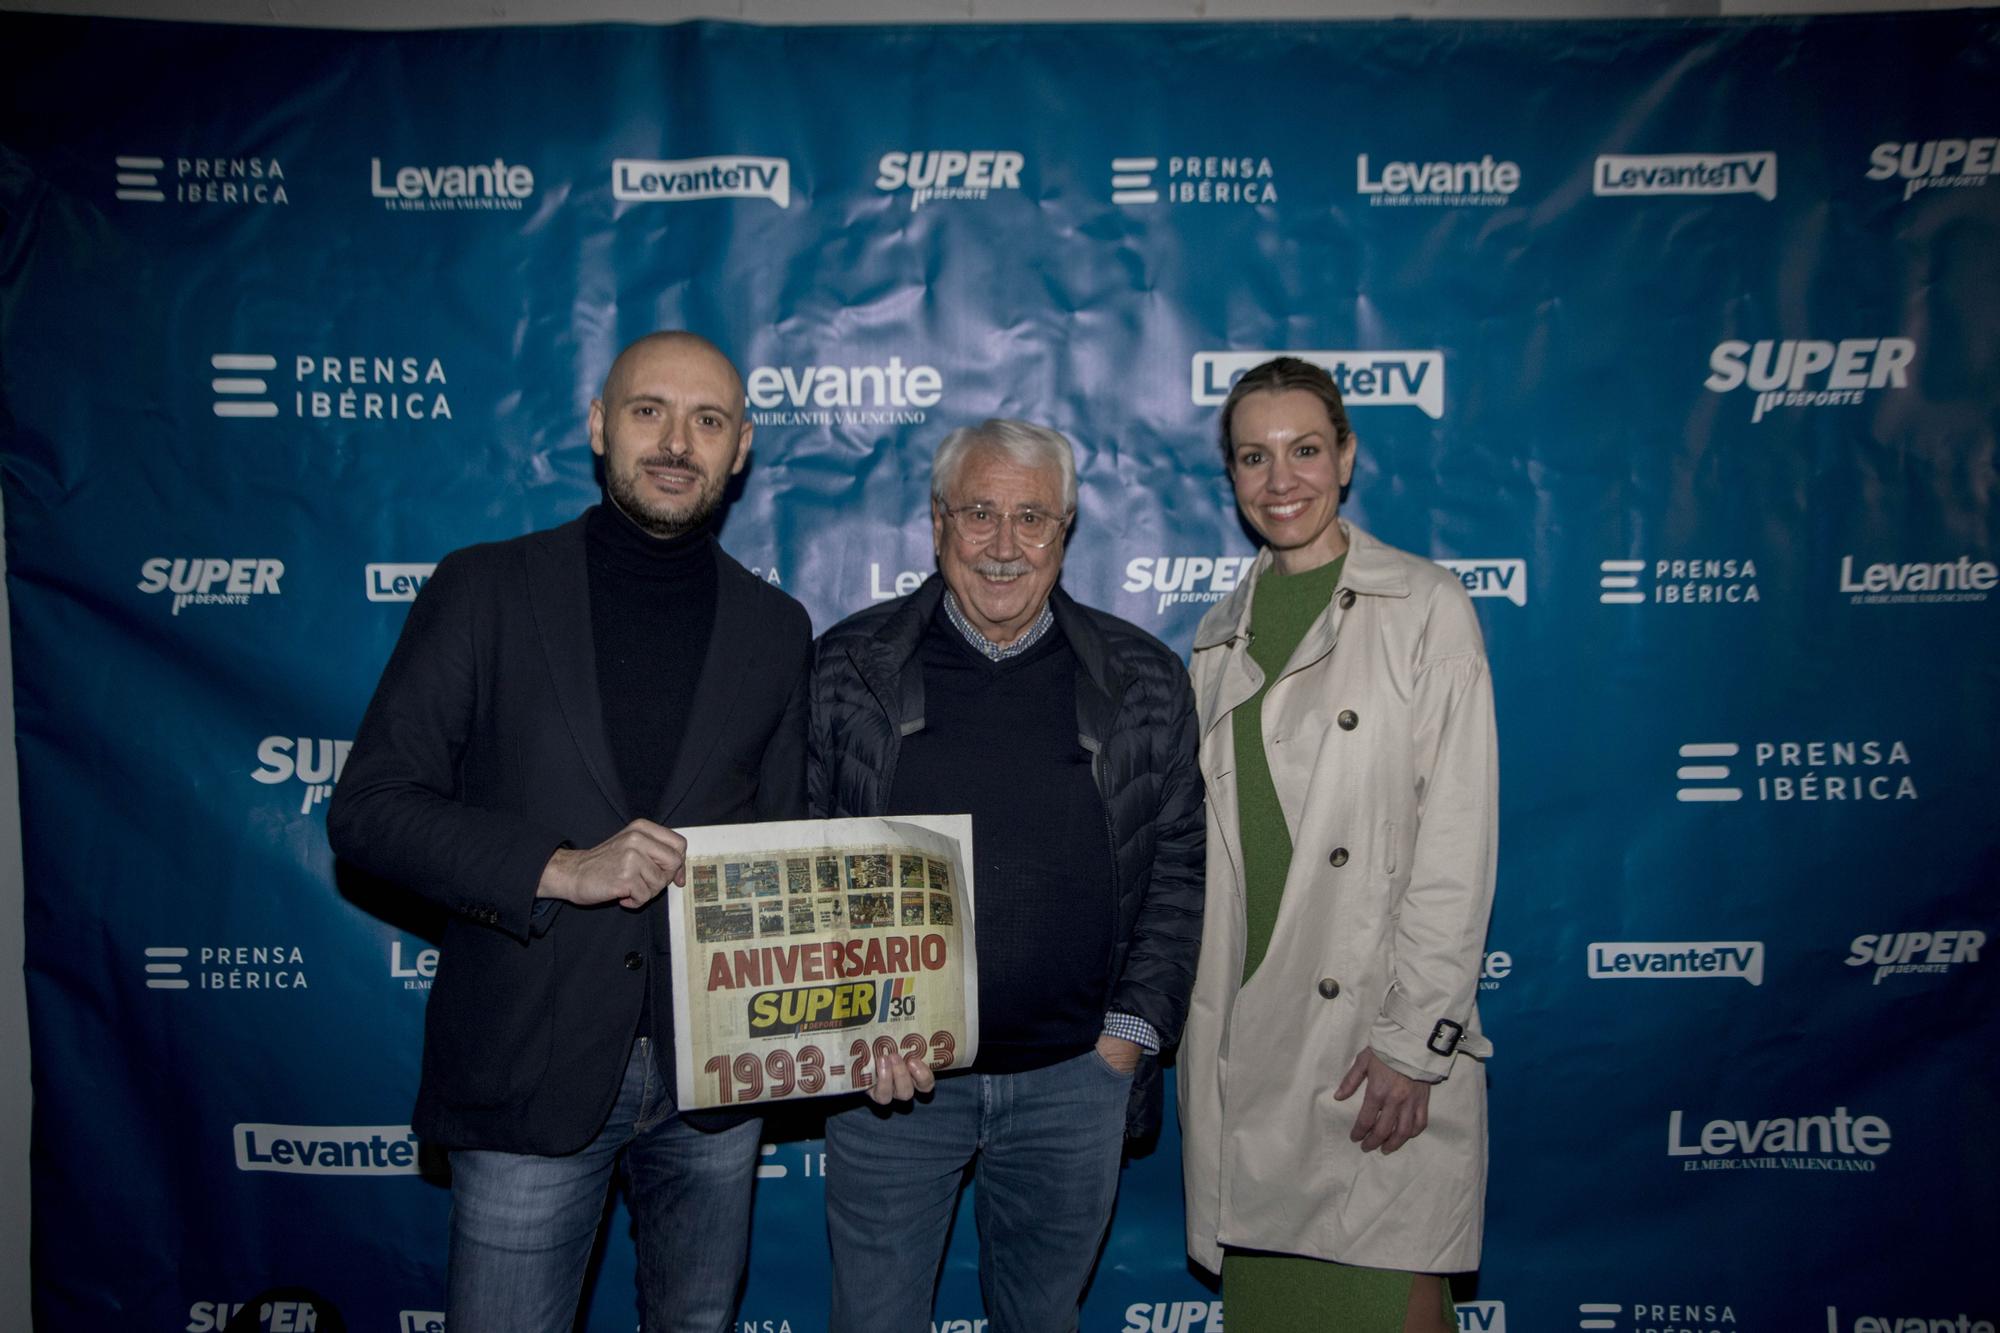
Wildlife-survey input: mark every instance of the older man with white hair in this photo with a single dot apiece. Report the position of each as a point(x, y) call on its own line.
point(1069, 736)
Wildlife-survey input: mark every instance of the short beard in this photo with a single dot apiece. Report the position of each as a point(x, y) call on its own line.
point(624, 493)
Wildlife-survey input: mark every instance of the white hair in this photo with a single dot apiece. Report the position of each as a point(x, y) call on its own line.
point(1022, 441)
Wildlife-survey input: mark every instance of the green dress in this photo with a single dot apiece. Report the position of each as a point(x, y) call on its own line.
point(1288, 1293)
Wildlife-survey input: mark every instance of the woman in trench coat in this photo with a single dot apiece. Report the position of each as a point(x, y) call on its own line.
point(1333, 1100)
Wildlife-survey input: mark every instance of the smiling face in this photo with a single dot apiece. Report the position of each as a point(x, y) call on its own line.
point(671, 430)
point(1001, 584)
point(1288, 468)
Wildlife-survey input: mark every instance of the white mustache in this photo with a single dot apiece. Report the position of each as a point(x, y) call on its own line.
point(1000, 569)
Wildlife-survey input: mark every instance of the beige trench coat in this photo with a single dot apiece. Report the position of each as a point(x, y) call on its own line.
point(1381, 743)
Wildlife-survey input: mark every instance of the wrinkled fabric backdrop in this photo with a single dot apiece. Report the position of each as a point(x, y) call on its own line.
point(1677, 340)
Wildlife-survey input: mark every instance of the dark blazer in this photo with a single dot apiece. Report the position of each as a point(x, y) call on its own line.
point(484, 751)
point(1134, 716)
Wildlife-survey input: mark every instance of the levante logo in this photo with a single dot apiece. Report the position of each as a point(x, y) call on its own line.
point(1907, 1323)
point(870, 394)
point(1840, 1141)
point(1484, 182)
point(492, 186)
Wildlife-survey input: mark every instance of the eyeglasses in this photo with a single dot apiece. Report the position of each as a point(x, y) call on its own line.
point(1032, 527)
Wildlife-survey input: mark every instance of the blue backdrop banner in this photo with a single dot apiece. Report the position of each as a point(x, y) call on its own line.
point(1678, 341)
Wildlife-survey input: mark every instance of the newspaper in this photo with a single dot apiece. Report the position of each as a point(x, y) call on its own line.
point(805, 953)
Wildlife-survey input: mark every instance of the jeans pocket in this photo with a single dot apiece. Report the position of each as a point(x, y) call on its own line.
point(1103, 1065)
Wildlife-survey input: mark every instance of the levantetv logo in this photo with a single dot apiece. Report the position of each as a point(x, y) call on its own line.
point(1929, 951)
point(1908, 1323)
point(1837, 1142)
point(1482, 1316)
point(1808, 372)
point(1703, 960)
point(1492, 577)
point(326, 1150)
point(1935, 164)
point(397, 583)
point(1687, 173)
point(1366, 379)
point(648, 181)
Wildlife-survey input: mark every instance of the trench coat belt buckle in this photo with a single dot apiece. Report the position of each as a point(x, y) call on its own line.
point(1445, 1037)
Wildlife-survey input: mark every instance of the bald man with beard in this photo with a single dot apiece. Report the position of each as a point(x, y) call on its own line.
point(556, 706)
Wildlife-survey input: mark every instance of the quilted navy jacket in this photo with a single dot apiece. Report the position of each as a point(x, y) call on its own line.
point(1134, 716)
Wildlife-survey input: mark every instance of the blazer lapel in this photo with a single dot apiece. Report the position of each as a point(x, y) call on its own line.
point(559, 594)
point(716, 689)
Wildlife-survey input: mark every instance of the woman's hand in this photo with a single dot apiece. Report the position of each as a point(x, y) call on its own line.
point(1395, 1109)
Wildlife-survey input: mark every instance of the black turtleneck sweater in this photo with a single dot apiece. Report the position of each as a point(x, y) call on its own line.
point(652, 610)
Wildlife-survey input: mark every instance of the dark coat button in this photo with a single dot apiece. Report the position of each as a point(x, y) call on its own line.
point(633, 962)
point(1348, 719)
point(1338, 857)
point(1328, 988)
point(1346, 598)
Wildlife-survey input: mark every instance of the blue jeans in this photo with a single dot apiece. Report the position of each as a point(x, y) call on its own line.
point(522, 1226)
point(1045, 1148)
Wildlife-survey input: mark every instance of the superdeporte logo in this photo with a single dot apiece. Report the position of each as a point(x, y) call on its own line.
point(314, 762)
point(1808, 372)
point(877, 394)
point(936, 174)
point(1484, 182)
point(272, 1317)
point(1366, 379)
point(1687, 173)
point(1918, 581)
point(495, 186)
point(373, 387)
point(326, 1150)
point(1914, 951)
point(1683, 960)
point(1173, 1317)
point(648, 181)
point(211, 580)
point(1186, 579)
point(242, 181)
point(1837, 1142)
point(1935, 164)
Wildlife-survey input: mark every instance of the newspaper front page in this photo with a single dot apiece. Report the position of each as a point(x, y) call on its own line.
point(807, 952)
